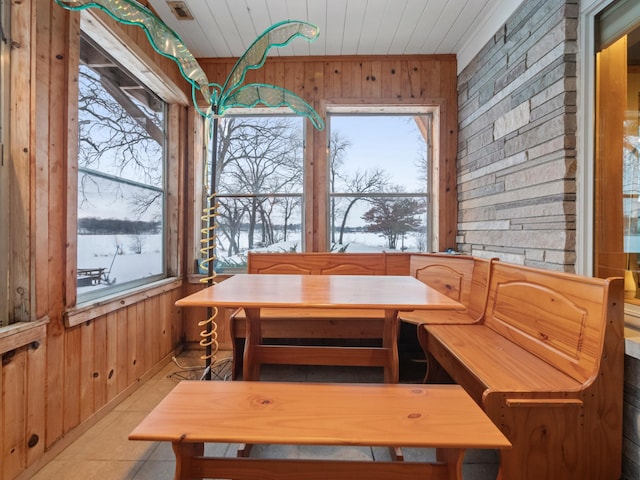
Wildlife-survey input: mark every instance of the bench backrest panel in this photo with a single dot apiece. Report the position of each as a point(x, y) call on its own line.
point(559, 317)
point(461, 277)
point(317, 263)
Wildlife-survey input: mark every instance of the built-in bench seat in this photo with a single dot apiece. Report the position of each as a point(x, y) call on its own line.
point(546, 365)
point(461, 277)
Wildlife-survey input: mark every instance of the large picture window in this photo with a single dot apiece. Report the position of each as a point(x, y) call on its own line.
point(121, 178)
point(259, 187)
point(379, 182)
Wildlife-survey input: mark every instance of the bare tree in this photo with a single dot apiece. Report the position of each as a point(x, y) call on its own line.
point(258, 156)
point(360, 183)
point(338, 147)
point(120, 138)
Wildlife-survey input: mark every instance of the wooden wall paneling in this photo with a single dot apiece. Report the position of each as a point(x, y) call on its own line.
point(156, 329)
point(21, 160)
point(449, 209)
point(122, 346)
point(354, 87)
point(392, 78)
point(432, 79)
point(87, 369)
point(130, 358)
point(72, 380)
point(47, 79)
point(177, 329)
point(111, 370)
point(279, 74)
point(149, 332)
point(174, 164)
point(373, 80)
point(50, 205)
point(315, 92)
point(36, 374)
point(411, 79)
point(294, 76)
point(14, 388)
point(100, 362)
point(73, 65)
point(194, 182)
point(332, 77)
point(185, 148)
point(141, 340)
point(165, 319)
point(55, 204)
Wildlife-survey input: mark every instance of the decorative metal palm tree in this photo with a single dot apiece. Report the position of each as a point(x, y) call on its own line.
point(219, 98)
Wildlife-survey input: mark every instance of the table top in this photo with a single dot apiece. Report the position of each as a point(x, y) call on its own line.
point(343, 414)
point(321, 291)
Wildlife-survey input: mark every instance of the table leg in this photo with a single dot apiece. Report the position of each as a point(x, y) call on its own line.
point(185, 453)
point(390, 343)
point(251, 365)
point(453, 458)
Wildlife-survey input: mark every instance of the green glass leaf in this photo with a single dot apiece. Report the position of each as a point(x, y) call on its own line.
point(163, 40)
point(278, 35)
point(272, 96)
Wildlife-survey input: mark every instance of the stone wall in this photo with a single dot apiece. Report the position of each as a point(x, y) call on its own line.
point(516, 150)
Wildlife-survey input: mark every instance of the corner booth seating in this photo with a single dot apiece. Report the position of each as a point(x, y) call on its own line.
point(541, 352)
point(545, 362)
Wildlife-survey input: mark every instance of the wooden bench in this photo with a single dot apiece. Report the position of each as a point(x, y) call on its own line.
point(300, 324)
point(462, 277)
point(194, 413)
point(546, 365)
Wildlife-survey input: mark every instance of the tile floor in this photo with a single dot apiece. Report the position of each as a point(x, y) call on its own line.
point(104, 452)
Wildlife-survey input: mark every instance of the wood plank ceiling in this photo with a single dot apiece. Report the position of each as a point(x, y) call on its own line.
point(225, 28)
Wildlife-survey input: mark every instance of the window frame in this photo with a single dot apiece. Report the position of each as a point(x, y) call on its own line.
point(105, 32)
point(585, 195)
point(258, 112)
point(125, 181)
point(382, 109)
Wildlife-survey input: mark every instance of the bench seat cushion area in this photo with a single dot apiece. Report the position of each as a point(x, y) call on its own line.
point(481, 360)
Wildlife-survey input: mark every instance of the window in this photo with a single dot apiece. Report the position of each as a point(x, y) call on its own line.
point(121, 178)
point(379, 182)
point(259, 182)
point(617, 147)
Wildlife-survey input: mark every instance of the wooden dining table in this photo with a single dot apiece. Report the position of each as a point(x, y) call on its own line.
point(254, 292)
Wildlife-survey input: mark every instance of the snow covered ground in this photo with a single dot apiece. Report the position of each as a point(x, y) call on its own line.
point(131, 257)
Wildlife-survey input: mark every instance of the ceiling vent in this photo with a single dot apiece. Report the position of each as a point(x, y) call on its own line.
point(180, 10)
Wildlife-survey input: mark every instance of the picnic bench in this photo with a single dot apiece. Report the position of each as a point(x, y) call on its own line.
point(91, 276)
point(545, 362)
point(195, 413)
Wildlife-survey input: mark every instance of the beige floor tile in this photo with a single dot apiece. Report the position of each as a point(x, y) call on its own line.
point(104, 451)
point(91, 469)
point(111, 442)
point(156, 470)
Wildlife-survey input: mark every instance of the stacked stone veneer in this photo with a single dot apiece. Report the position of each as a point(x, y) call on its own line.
point(516, 153)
